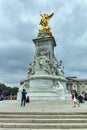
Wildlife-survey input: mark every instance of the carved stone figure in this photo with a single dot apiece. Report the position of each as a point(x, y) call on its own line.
point(31, 69)
point(58, 86)
point(53, 68)
point(43, 63)
point(60, 68)
point(23, 85)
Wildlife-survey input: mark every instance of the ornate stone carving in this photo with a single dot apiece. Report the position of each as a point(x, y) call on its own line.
point(58, 86)
point(60, 68)
point(42, 63)
point(31, 69)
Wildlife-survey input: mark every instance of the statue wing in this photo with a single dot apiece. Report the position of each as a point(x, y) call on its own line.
point(41, 21)
point(50, 16)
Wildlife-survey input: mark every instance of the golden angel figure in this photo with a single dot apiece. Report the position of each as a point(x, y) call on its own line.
point(45, 19)
point(44, 23)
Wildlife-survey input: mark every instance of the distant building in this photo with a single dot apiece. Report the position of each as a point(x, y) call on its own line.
point(79, 84)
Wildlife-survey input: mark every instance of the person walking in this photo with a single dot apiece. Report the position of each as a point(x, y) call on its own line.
point(23, 99)
point(75, 98)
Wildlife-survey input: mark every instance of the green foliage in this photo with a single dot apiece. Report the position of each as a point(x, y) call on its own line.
point(6, 91)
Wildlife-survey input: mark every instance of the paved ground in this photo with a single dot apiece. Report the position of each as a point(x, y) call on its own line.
point(60, 106)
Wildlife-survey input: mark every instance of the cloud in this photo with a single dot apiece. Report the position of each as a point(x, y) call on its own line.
point(19, 24)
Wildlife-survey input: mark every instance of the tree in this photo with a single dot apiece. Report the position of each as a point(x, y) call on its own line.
point(6, 90)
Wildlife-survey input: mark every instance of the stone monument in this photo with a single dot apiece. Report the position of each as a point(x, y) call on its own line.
point(45, 79)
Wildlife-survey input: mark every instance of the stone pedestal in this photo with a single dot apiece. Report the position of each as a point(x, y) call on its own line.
point(41, 88)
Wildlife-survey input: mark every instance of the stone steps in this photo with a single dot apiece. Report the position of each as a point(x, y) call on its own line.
point(45, 116)
point(13, 120)
point(42, 120)
point(44, 113)
point(37, 129)
point(45, 125)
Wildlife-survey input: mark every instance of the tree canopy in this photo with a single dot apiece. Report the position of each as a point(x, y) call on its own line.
point(6, 90)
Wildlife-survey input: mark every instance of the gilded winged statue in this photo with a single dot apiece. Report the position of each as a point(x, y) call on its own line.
point(44, 23)
point(45, 19)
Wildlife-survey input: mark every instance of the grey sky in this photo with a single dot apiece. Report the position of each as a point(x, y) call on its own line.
point(19, 24)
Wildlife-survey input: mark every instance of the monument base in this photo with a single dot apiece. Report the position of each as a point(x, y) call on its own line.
point(41, 88)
